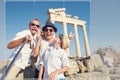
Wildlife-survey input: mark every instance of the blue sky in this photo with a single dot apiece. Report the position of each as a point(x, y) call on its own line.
point(104, 22)
point(18, 15)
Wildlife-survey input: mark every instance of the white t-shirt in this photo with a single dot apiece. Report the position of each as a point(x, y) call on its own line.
point(52, 60)
point(24, 55)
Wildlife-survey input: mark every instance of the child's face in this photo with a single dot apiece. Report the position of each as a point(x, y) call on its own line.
point(57, 40)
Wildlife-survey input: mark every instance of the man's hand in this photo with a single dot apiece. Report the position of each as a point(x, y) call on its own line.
point(39, 37)
point(28, 38)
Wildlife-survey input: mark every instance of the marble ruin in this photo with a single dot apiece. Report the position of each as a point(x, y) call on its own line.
point(59, 15)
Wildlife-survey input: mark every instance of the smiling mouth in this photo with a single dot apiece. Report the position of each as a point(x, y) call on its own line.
point(34, 30)
point(48, 35)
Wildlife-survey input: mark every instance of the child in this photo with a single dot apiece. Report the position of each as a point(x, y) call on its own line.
point(54, 62)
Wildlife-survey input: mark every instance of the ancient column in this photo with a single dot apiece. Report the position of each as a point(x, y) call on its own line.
point(51, 15)
point(65, 35)
point(77, 44)
point(52, 21)
point(65, 29)
point(87, 49)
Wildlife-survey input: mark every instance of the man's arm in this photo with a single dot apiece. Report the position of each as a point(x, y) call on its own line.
point(15, 43)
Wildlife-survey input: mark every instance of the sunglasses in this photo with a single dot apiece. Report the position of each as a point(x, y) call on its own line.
point(50, 30)
point(32, 24)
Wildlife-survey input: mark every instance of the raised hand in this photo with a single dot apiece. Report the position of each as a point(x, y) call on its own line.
point(70, 36)
point(28, 38)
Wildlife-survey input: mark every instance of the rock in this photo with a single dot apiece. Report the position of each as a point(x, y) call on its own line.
point(108, 64)
point(103, 69)
point(96, 61)
point(73, 67)
point(84, 64)
point(89, 76)
point(115, 71)
point(3, 65)
point(108, 53)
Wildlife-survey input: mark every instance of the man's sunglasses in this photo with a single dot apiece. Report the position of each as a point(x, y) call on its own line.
point(50, 30)
point(32, 24)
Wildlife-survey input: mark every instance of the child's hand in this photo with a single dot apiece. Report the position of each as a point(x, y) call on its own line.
point(52, 75)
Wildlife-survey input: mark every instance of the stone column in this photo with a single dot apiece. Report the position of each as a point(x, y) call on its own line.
point(50, 19)
point(65, 35)
point(65, 29)
point(77, 44)
point(87, 49)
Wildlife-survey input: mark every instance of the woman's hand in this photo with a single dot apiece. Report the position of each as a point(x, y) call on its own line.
point(70, 36)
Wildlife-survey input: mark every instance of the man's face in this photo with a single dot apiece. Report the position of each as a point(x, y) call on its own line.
point(49, 33)
point(34, 25)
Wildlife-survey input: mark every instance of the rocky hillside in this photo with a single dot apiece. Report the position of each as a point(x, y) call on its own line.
point(103, 64)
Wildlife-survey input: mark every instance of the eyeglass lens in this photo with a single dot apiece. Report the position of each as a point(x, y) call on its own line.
point(46, 30)
point(32, 24)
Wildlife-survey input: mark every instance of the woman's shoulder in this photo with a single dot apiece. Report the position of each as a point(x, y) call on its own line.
point(61, 50)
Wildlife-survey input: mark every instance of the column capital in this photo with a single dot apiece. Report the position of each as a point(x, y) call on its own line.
point(76, 17)
point(83, 26)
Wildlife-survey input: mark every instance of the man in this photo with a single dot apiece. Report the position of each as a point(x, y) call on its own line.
point(26, 36)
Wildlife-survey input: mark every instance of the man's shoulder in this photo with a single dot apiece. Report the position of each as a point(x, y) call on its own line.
point(23, 32)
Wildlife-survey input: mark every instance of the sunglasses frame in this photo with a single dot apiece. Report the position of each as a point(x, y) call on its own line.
point(50, 30)
point(33, 24)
